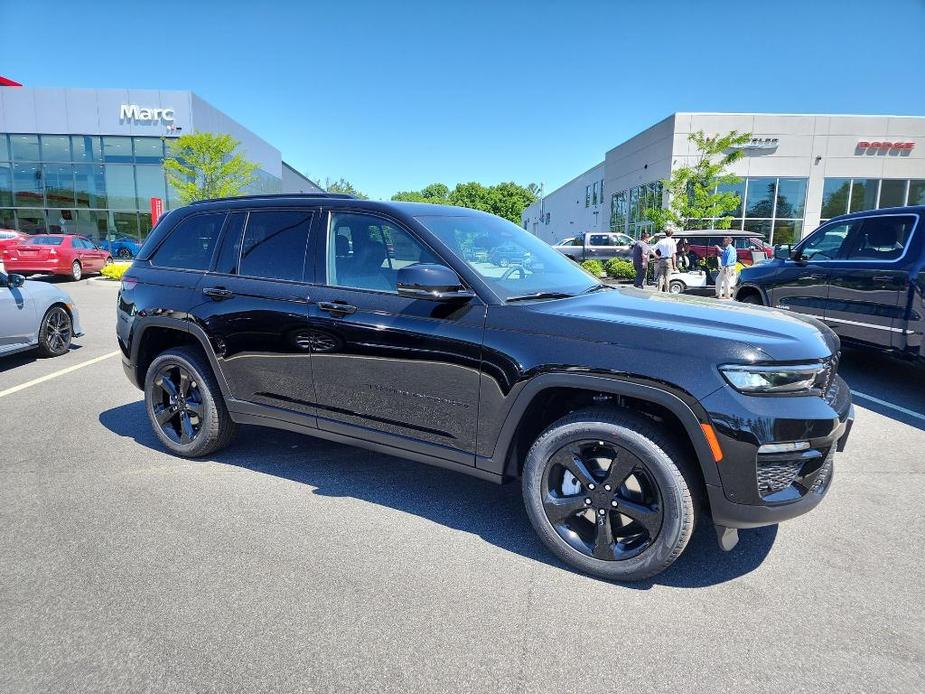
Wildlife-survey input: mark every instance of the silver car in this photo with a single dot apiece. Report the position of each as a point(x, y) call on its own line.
point(35, 315)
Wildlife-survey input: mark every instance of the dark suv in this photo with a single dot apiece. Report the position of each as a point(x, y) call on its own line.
point(863, 274)
point(627, 415)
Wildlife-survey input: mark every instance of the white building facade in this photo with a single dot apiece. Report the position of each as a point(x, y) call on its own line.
point(798, 170)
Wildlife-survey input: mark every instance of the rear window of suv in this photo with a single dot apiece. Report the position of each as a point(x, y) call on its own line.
point(190, 244)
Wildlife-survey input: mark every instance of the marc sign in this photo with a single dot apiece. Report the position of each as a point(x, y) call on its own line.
point(758, 143)
point(145, 114)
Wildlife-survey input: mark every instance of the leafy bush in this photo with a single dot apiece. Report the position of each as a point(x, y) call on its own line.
point(595, 267)
point(114, 271)
point(620, 269)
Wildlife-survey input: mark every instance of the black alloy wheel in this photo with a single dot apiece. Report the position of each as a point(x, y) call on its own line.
point(601, 500)
point(55, 332)
point(124, 253)
point(177, 403)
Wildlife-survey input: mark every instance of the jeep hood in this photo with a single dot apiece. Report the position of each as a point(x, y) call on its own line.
point(688, 324)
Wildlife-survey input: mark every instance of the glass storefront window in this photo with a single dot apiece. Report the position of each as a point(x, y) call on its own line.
point(7, 219)
point(125, 223)
point(864, 194)
point(148, 150)
point(786, 231)
point(6, 184)
point(120, 186)
point(92, 224)
point(791, 197)
point(916, 193)
point(150, 182)
point(25, 147)
point(89, 185)
point(761, 227)
point(144, 224)
point(56, 148)
point(31, 221)
point(62, 221)
point(759, 197)
point(892, 193)
point(86, 148)
point(59, 185)
point(738, 189)
point(27, 185)
point(117, 149)
point(835, 194)
point(4, 148)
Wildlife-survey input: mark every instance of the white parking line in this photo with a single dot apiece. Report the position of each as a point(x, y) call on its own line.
point(48, 377)
point(865, 396)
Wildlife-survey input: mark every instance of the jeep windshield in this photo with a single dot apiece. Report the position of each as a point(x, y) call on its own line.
point(516, 264)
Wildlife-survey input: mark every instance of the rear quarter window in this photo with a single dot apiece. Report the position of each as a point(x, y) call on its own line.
point(189, 246)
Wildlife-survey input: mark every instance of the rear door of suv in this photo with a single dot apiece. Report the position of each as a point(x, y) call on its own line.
point(253, 305)
point(868, 283)
point(388, 368)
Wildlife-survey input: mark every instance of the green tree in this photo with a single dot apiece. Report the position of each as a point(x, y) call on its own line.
point(342, 185)
point(692, 190)
point(506, 200)
point(205, 165)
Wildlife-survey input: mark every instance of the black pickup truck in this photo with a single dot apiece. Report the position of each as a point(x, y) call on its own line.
point(862, 274)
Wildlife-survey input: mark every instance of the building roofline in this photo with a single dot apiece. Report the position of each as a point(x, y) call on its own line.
point(772, 113)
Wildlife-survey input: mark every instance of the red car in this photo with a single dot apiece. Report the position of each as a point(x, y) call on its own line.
point(750, 246)
point(55, 254)
point(11, 237)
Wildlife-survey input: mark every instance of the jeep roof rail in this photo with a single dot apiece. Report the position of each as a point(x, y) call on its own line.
point(271, 196)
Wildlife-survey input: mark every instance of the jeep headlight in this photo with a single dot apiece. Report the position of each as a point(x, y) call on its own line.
point(773, 378)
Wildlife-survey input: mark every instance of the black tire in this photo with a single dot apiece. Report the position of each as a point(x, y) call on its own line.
point(676, 287)
point(108, 260)
point(751, 298)
point(77, 270)
point(55, 332)
point(124, 253)
point(211, 424)
point(654, 461)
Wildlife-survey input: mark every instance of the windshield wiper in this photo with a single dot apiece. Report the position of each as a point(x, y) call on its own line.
point(596, 288)
point(540, 295)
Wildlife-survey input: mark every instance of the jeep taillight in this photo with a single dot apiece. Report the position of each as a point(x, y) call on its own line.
point(128, 283)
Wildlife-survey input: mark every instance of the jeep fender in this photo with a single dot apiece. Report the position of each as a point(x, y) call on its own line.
point(683, 409)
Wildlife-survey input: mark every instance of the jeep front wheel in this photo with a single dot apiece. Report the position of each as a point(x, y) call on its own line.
point(605, 491)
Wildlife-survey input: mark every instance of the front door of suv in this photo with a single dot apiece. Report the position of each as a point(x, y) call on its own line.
point(388, 368)
point(802, 281)
point(869, 284)
point(253, 305)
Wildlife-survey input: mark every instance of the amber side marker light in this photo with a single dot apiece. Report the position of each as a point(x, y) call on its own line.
point(710, 436)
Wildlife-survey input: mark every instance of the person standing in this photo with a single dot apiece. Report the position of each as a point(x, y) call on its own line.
point(727, 269)
point(641, 254)
point(666, 250)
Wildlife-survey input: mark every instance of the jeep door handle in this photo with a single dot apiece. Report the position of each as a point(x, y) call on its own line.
point(217, 293)
point(337, 308)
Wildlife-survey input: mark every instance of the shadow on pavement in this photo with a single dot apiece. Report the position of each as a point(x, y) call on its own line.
point(22, 358)
point(455, 500)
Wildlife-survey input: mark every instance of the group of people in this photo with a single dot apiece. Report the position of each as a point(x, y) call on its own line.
point(667, 255)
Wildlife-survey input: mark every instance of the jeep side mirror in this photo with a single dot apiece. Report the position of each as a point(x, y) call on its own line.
point(431, 281)
point(783, 252)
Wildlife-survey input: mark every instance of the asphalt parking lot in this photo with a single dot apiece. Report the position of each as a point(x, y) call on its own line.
point(288, 563)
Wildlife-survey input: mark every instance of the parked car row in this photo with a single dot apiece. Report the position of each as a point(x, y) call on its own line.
point(54, 254)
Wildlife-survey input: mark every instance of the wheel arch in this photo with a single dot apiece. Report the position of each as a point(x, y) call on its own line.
point(549, 396)
point(752, 290)
point(158, 334)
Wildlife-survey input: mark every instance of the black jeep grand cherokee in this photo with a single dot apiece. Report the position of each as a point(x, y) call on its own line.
point(626, 414)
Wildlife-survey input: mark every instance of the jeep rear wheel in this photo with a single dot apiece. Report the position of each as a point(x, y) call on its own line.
point(605, 491)
point(185, 405)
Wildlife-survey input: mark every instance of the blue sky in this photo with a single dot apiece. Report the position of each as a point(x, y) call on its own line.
point(394, 96)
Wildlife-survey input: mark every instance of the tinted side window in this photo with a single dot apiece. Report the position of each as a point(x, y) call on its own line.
point(230, 250)
point(190, 245)
point(600, 240)
point(274, 244)
point(366, 252)
point(881, 238)
point(827, 243)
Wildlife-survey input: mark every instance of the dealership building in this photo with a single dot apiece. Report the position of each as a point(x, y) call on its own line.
point(90, 161)
point(797, 171)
